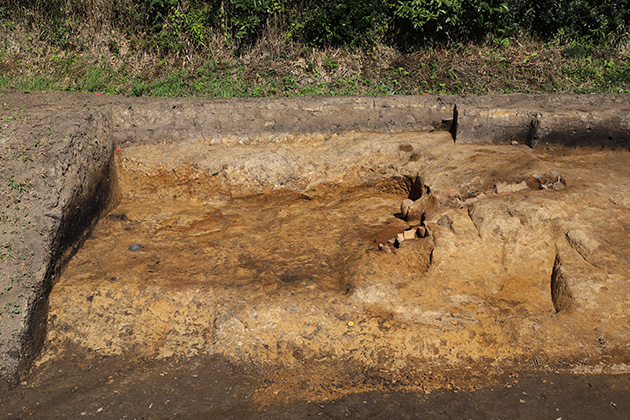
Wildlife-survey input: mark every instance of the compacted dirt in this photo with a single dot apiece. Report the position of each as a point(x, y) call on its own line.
point(282, 279)
point(210, 388)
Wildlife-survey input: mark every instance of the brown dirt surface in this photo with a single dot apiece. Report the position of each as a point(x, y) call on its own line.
point(269, 284)
point(211, 388)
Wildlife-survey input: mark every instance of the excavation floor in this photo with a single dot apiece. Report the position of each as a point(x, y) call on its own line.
point(209, 388)
point(266, 259)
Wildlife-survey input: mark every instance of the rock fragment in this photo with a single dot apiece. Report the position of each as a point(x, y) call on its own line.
point(399, 240)
point(404, 206)
point(409, 234)
point(422, 232)
point(385, 248)
point(503, 187)
point(551, 185)
point(422, 207)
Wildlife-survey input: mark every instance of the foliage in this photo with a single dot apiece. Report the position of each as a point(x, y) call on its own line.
point(428, 21)
point(594, 20)
point(234, 48)
point(355, 22)
point(186, 25)
point(249, 17)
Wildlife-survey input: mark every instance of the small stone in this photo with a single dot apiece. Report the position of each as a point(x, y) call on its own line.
point(135, 247)
point(510, 188)
point(472, 200)
point(422, 232)
point(409, 234)
point(501, 187)
point(384, 248)
point(514, 143)
point(404, 206)
point(400, 238)
point(422, 208)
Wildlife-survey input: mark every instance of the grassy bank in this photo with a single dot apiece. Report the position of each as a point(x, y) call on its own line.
point(113, 61)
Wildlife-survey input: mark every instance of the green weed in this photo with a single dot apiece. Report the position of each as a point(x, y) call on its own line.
point(6, 251)
point(19, 186)
point(173, 84)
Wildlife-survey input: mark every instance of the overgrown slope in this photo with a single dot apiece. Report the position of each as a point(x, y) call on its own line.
point(234, 48)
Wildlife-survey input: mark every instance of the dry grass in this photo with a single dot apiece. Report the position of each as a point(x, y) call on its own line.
point(95, 57)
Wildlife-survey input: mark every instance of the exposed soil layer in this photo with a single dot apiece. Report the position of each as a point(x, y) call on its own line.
point(294, 282)
point(289, 261)
point(210, 388)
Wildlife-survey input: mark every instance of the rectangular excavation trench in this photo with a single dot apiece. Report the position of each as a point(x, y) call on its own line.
point(266, 251)
point(269, 255)
point(204, 236)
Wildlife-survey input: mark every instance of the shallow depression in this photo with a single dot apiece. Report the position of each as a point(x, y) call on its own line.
point(258, 243)
point(525, 263)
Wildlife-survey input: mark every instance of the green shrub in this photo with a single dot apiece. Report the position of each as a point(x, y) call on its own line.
point(354, 23)
point(250, 16)
point(594, 20)
point(185, 25)
point(429, 21)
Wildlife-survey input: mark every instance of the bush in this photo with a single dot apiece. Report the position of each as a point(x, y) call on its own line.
point(421, 21)
point(592, 20)
point(185, 25)
point(354, 23)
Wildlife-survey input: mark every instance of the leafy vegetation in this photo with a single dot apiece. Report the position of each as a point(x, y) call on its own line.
point(234, 48)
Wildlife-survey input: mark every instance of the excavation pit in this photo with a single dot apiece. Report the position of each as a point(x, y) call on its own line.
point(289, 263)
point(236, 261)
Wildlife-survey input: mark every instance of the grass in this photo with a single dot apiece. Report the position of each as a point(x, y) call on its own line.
point(278, 67)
